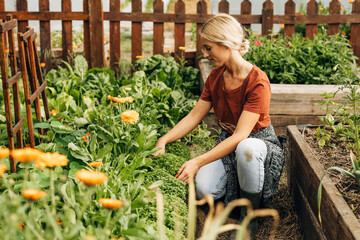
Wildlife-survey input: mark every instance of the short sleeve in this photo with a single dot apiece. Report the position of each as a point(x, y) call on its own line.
point(258, 99)
point(206, 94)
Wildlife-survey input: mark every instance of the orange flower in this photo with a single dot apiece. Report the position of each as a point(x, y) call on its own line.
point(351, 1)
point(182, 48)
point(66, 125)
point(84, 138)
point(21, 226)
point(342, 8)
point(4, 152)
point(42, 64)
point(75, 47)
point(121, 100)
point(7, 50)
point(148, 84)
point(59, 119)
point(96, 164)
point(54, 112)
point(50, 160)
point(110, 203)
point(91, 177)
point(321, 9)
point(88, 134)
point(130, 116)
point(168, 50)
point(26, 154)
point(33, 194)
point(139, 56)
point(58, 221)
point(2, 169)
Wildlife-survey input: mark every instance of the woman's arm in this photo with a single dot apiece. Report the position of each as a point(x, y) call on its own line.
point(186, 125)
point(244, 127)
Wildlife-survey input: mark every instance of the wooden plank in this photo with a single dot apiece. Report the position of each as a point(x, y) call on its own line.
point(13, 80)
point(280, 122)
point(179, 31)
point(201, 10)
point(289, 29)
point(22, 57)
point(267, 18)
point(45, 37)
point(158, 43)
point(66, 32)
point(96, 27)
point(355, 31)
point(224, 6)
point(334, 8)
point(46, 16)
point(6, 26)
point(136, 31)
point(312, 10)
point(37, 93)
point(27, 34)
point(115, 36)
point(2, 5)
point(87, 50)
point(17, 128)
point(245, 11)
point(22, 6)
point(307, 170)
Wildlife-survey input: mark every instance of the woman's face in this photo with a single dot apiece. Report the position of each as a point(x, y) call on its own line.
point(217, 54)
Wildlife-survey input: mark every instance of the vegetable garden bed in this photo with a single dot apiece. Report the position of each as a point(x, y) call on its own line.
point(304, 174)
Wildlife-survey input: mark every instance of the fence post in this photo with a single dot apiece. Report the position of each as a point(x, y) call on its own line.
point(2, 5)
point(267, 18)
point(115, 52)
point(355, 31)
point(87, 50)
point(179, 30)
point(158, 43)
point(21, 5)
point(45, 37)
point(96, 30)
point(66, 32)
point(136, 31)
point(334, 8)
point(224, 6)
point(312, 10)
point(202, 10)
point(246, 10)
point(289, 29)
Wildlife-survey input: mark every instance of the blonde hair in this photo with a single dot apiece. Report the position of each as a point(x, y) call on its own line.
point(225, 30)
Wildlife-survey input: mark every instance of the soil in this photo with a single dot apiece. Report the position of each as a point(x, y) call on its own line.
point(336, 153)
point(288, 228)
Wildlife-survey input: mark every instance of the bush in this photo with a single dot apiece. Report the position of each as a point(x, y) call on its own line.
point(169, 162)
point(178, 148)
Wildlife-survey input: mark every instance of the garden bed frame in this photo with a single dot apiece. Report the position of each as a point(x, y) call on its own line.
point(304, 174)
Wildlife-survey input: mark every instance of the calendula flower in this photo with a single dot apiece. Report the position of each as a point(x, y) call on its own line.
point(351, 1)
point(148, 84)
point(139, 56)
point(21, 226)
point(58, 221)
point(89, 237)
point(182, 48)
point(54, 112)
point(75, 47)
point(342, 8)
point(50, 160)
point(110, 203)
point(59, 119)
point(84, 138)
point(121, 99)
point(4, 152)
point(88, 134)
point(258, 43)
point(2, 169)
point(127, 89)
point(33, 194)
point(282, 26)
point(288, 45)
point(42, 64)
point(130, 116)
point(26, 154)
point(96, 164)
point(91, 177)
point(7, 50)
point(66, 125)
point(168, 50)
point(321, 9)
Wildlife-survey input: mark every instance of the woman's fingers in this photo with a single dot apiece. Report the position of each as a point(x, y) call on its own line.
point(159, 152)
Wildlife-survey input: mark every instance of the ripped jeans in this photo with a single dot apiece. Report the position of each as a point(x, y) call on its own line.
point(250, 156)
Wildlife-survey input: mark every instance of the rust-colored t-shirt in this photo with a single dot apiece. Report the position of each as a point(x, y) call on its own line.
point(253, 96)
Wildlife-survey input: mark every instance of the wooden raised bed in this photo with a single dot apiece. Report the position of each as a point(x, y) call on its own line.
point(291, 104)
point(304, 174)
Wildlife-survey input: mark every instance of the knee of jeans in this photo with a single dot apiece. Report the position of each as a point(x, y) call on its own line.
point(204, 189)
point(250, 149)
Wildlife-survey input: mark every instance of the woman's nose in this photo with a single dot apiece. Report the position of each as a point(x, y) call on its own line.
point(206, 54)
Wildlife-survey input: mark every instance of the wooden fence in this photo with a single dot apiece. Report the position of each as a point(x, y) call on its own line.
point(94, 16)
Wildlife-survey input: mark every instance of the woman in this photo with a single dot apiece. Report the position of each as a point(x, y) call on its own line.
point(248, 160)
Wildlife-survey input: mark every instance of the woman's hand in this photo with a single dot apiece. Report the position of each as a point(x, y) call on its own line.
point(160, 144)
point(187, 170)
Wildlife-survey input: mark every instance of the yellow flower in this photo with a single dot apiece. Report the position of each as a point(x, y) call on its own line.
point(54, 112)
point(148, 84)
point(351, 1)
point(2, 169)
point(4, 152)
point(121, 100)
point(75, 47)
point(130, 116)
point(168, 50)
point(342, 8)
point(182, 48)
point(50, 160)
point(321, 9)
point(111, 203)
point(33, 194)
point(89, 237)
point(42, 64)
point(282, 25)
point(127, 89)
point(96, 164)
point(139, 56)
point(91, 177)
point(26, 154)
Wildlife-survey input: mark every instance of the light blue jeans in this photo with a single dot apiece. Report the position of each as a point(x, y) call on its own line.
point(250, 156)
